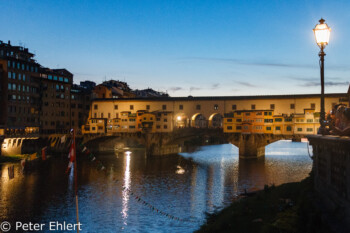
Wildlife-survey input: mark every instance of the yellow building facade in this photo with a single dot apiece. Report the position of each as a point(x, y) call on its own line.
point(245, 114)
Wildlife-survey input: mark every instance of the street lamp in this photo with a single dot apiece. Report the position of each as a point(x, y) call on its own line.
point(322, 33)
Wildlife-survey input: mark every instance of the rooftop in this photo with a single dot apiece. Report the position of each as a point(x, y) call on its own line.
point(191, 98)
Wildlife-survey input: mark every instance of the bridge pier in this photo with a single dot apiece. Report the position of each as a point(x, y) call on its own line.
point(247, 151)
point(251, 146)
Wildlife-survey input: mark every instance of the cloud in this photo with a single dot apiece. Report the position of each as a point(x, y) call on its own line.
point(330, 84)
point(195, 88)
point(246, 62)
point(246, 84)
point(175, 89)
point(306, 79)
point(215, 86)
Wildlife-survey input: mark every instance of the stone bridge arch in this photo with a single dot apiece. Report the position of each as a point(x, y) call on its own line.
point(215, 120)
point(198, 120)
point(181, 120)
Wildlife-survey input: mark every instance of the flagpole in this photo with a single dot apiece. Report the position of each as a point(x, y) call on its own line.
point(76, 182)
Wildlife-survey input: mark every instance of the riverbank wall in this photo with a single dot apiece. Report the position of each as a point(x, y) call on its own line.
point(331, 166)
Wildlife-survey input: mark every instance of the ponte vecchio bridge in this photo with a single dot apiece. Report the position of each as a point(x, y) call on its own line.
point(276, 117)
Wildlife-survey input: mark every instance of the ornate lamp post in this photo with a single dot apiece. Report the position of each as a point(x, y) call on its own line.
point(322, 33)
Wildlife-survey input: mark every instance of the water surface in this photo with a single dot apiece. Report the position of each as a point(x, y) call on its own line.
point(185, 186)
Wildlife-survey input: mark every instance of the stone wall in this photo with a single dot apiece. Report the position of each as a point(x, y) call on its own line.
point(331, 167)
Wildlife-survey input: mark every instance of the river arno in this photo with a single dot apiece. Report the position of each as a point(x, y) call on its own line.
point(185, 186)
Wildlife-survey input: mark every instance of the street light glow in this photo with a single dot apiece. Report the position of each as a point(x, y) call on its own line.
point(322, 33)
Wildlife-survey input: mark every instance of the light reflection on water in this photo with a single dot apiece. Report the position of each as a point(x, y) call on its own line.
point(127, 187)
point(210, 179)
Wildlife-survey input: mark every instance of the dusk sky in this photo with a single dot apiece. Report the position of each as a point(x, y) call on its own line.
point(197, 48)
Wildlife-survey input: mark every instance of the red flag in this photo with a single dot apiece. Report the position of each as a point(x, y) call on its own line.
point(71, 156)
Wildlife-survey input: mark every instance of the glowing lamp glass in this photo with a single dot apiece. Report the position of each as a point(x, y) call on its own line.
point(322, 33)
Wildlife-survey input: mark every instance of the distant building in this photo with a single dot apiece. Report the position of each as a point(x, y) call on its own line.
point(19, 96)
point(112, 89)
point(81, 97)
point(149, 93)
point(35, 99)
point(55, 89)
point(349, 95)
point(89, 85)
point(118, 84)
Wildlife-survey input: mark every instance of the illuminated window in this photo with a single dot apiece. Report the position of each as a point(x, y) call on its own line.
point(216, 107)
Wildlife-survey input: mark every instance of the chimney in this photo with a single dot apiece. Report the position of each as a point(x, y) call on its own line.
point(9, 43)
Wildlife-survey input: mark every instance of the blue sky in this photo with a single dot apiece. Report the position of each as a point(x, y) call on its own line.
point(187, 47)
